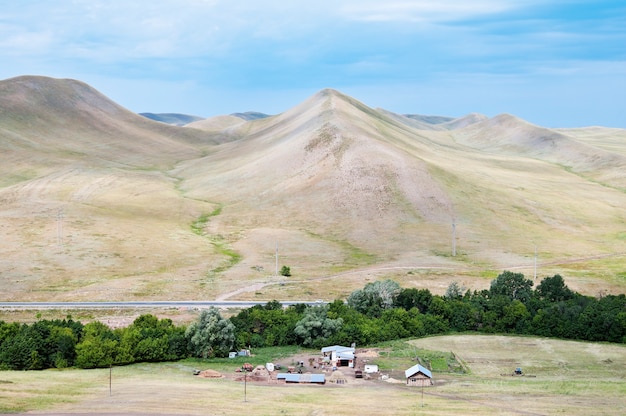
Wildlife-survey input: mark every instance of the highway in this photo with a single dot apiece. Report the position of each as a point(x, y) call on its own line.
point(191, 304)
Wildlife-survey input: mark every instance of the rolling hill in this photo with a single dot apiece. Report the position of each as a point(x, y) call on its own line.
point(101, 203)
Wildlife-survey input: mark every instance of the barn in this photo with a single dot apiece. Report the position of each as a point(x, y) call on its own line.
point(418, 376)
point(339, 356)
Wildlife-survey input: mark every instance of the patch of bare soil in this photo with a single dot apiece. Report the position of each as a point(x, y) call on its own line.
point(339, 376)
point(210, 374)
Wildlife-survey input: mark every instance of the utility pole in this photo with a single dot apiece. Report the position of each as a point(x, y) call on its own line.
point(453, 238)
point(535, 262)
point(276, 259)
point(245, 385)
point(60, 227)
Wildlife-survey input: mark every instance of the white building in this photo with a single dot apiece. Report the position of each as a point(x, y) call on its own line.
point(339, 356)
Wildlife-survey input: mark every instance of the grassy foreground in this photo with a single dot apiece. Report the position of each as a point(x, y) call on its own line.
point(572, 378)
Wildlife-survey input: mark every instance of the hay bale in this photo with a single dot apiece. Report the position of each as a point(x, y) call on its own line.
point(210, 374)
point(260, 371)
point(337, 377)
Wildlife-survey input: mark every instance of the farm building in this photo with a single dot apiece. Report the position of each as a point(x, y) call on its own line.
point(302, 378)
point(339, 356)
point(418, 376)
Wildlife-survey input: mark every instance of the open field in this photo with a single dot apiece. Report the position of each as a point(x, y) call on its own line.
point(572, 378)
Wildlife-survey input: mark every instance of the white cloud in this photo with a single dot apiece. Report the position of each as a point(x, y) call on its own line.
point(426, 11)
point(277, 45)
point(21, 42)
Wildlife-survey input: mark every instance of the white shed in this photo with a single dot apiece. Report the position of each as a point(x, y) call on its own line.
point(370, 368)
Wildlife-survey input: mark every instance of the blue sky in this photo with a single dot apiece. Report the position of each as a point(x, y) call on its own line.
point(553, 63)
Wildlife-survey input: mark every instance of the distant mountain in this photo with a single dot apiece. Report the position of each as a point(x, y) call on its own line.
point(97, 202)
point(172, 118)
point(429, 119)
point(250, 115)
point(435, 122)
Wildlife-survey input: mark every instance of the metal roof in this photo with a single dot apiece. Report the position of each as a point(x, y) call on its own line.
point(302, 378)
point(337, 348)
point(417, 369)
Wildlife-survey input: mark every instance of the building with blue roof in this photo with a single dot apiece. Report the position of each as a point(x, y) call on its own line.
point(301, 378)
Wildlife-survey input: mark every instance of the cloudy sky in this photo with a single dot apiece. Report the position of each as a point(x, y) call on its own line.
point(556, 63)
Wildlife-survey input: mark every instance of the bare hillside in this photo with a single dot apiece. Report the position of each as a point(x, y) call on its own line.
point(69, 119)
point(87, 209)
point(322, 167)
point(352, 176)
point(506, 134)
point(101, 203)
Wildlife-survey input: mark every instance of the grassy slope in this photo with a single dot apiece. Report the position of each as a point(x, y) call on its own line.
point(349, 194)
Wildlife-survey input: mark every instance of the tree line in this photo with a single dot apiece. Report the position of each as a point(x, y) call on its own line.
point(380, 311)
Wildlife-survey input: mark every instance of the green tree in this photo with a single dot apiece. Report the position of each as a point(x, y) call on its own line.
point(19, 350)
point(463, 316)
point(285, 271)
point(553, 289)
point(454, 291)
point(399, 323)
point(98, 346)
point(267, 325)
point(316, 327)
point(513, 286)
point(515, 317)
point(375, 297)
point(355, 328)
point(148, 339)
point(63, 343)
point(211, 335)
point(8, 331)
point(414, 298)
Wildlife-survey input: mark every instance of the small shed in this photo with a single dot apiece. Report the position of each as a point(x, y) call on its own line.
point(418, 376)
point(370, 368)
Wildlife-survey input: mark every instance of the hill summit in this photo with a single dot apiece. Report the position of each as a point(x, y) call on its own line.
point(101, 203)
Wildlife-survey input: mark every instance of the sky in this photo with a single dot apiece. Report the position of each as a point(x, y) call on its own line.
point(553, 63)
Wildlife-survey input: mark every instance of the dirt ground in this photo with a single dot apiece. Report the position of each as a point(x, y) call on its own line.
point(346, 374)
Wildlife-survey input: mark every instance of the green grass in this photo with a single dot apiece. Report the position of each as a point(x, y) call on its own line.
point(401, 353)
point(39, 390)
point(573, 378)
point(259, 356)
point(354, 256)
point(217, 241)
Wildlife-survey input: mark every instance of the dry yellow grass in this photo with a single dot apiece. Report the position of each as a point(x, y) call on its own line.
point(572, 378)
point(348, 193)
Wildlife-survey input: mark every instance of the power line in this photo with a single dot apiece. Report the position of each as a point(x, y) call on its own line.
point(60, 227)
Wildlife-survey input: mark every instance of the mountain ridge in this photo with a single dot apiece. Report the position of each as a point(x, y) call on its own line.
point(101, 202)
